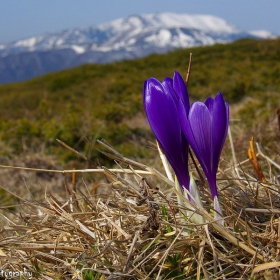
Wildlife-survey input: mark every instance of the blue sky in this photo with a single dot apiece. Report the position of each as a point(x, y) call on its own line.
point(23, 18)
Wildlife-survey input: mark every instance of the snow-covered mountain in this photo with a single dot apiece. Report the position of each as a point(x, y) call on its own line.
point(124, 38)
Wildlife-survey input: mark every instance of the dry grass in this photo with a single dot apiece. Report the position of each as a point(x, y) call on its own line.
point(130, 226)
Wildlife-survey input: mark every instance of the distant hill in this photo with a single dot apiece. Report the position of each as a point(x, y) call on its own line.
point(126, 38)
point(90, 102)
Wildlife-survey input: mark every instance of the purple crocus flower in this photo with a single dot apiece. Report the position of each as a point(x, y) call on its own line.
point(205, 126)
point(161, 105)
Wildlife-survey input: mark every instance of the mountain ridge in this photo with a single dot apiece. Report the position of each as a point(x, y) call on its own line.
point(131, 37)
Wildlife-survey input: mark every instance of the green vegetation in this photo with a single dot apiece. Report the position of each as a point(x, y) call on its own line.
point(91, 102)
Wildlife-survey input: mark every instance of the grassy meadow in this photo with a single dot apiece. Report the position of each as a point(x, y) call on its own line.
point(60, 220)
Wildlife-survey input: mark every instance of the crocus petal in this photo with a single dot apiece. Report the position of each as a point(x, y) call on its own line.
point(181, 90)
point(197, 129)
point(168, 88)
point(209, 102)
point(161, 112)
point(160, 104)
point(205, 128)
point(219, 128)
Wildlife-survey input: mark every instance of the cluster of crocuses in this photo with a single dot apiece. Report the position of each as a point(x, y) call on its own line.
point(177, 125)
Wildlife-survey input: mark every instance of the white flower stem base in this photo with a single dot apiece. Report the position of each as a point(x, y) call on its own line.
point(218, 211)
point(193, 197)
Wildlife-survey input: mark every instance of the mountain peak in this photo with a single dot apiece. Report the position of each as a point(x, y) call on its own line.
point(192, 21)
point(173, 20)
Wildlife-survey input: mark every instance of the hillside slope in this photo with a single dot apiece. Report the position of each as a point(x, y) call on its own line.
point(90, 102)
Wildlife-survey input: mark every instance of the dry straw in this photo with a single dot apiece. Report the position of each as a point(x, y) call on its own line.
point(138, 231)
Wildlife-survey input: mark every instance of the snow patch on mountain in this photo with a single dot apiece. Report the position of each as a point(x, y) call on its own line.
point(199, 22)
point(162, 38)
point(262, 34)
point(28, 44)
point(78, 49)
